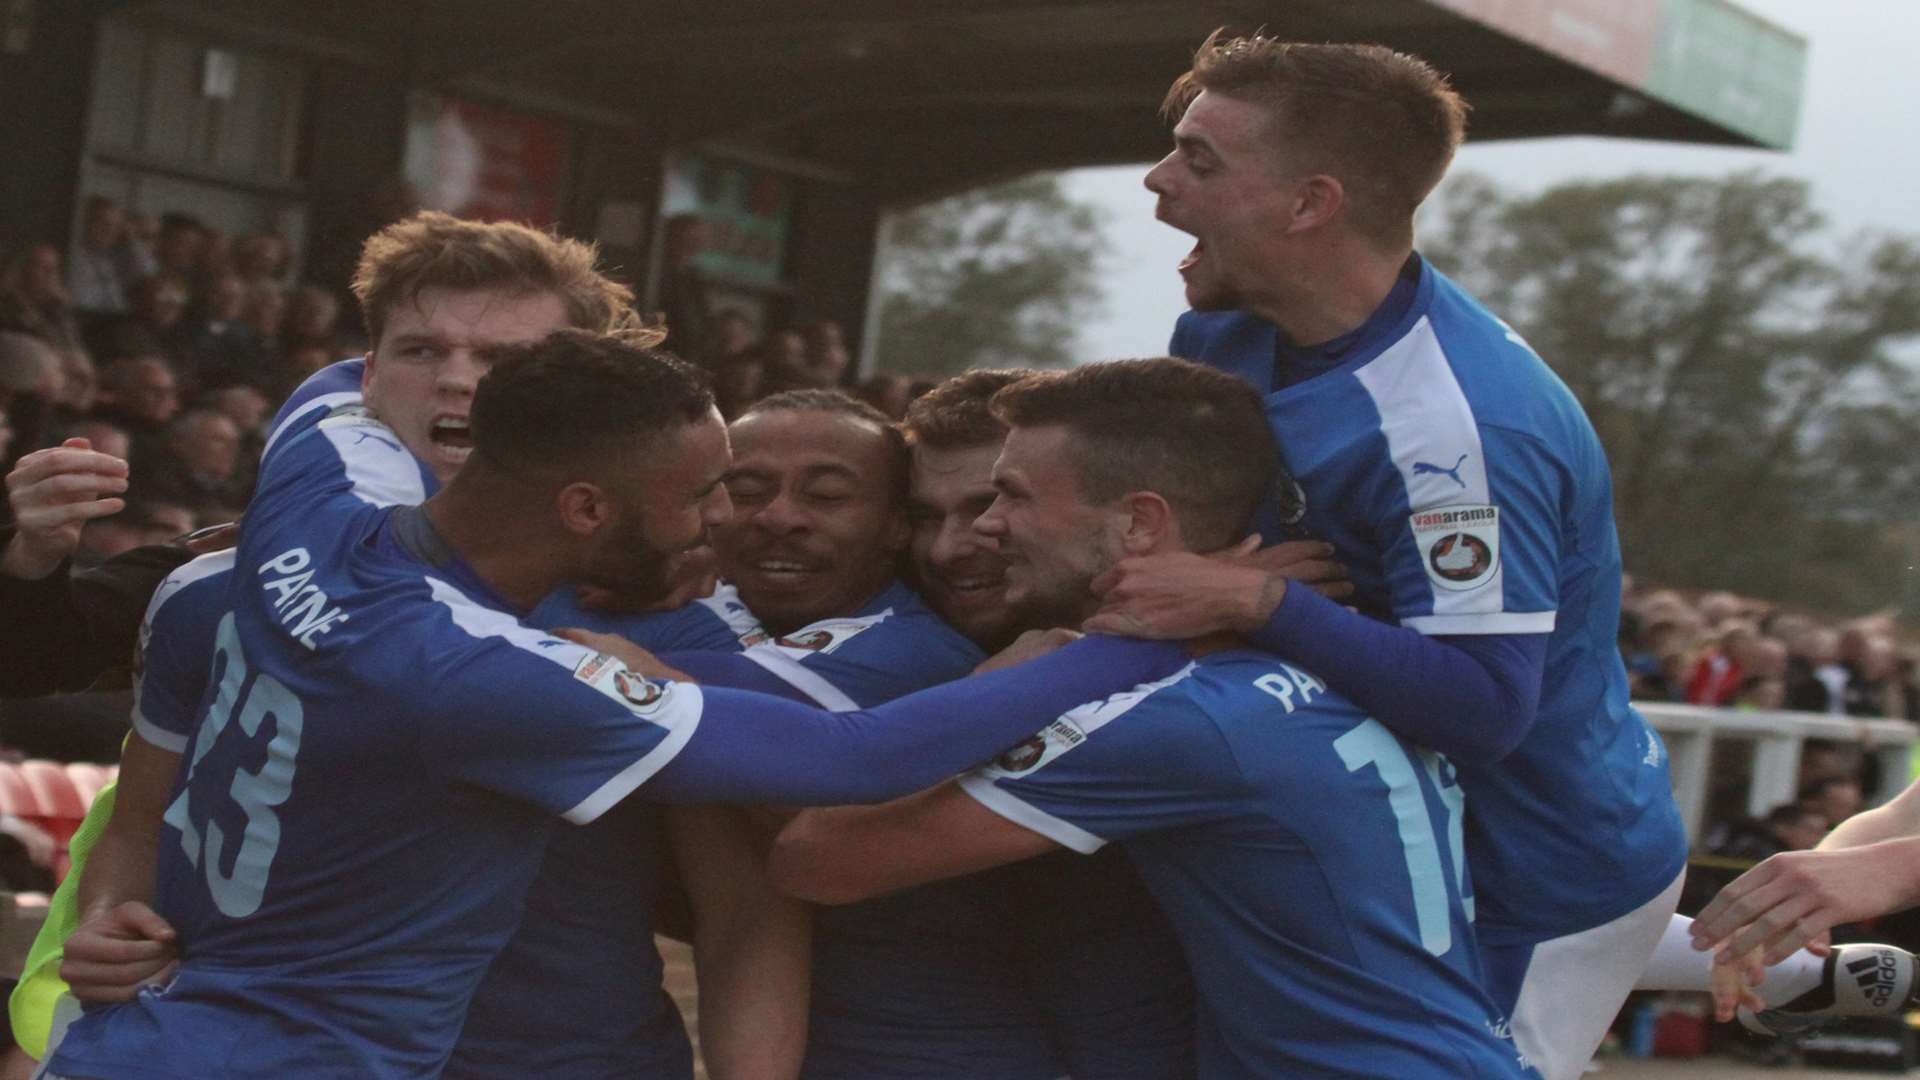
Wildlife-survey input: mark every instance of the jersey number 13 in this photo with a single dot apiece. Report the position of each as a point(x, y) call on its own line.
point(248, 702)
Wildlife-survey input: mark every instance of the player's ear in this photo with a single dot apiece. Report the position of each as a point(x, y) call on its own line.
point(584, 508)
point(1316, 201)
point(1149, 523)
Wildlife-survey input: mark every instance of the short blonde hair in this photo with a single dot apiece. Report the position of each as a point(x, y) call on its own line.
point(436, 250)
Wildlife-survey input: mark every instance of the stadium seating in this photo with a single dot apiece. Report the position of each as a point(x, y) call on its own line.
point(16, 798)
point(89, 778)
point(52, 796)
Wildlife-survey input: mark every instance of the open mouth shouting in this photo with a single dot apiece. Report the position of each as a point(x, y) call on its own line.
point(1193, 257)
point(452, 438)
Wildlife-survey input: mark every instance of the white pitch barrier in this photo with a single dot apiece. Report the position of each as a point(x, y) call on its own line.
point(1691, 731)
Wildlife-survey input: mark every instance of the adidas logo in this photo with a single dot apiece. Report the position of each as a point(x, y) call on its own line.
point(1876, 976)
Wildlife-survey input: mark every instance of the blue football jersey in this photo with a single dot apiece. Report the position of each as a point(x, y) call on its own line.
point(369, 781)
point(719, 622)
point(893, 645)
point(1467, 494)
point(320, 393)
point(177, 633)
point(577, 992)
point(919, 984)
point(1311, 863)
point(341, 867)
point(540, 1009)
point(904, 987)
point(175, 644)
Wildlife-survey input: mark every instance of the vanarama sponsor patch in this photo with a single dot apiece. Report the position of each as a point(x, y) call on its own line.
point(824, 636)
point(1460, 545)
point(622, 684)
point(1055, 739)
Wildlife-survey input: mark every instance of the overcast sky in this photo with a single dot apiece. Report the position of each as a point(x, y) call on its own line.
point(1859, 144)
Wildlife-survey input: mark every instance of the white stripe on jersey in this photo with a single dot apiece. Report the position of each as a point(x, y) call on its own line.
point(183, 575)
point(1095, 715)
point(1082, 721)
point(802, 678)
point(156, 735)
point(481, 621)
point(1424, 417)
point(1029, 817)
point(624, 782)
point(683, 712)
point(384, 474)
point(725, 604)
point(1506, 622)
point(324, 401)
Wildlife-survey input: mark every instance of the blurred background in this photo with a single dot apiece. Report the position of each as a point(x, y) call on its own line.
point(1700, 212)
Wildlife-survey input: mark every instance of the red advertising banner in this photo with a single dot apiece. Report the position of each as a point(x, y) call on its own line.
point(484, 161)
point(1613, 37)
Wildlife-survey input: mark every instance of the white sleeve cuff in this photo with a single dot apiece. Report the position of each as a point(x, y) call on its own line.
point(1494, 622)
point(679, 729)
point(802, 678)
point(1027, 816)
point(157, 735)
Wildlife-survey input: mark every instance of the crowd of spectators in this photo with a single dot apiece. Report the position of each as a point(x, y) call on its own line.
point(747, 368)
point(162, 341)
point(746, 365)
point(1723, 649)
point(167, 343)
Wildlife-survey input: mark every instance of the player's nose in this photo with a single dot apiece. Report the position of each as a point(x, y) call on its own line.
point(781, 515)
point(955, 541)
point(460, 372)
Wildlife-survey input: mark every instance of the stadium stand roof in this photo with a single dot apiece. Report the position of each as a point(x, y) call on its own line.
point(909, 98)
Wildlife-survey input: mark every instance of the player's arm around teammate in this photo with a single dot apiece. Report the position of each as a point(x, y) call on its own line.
point(847, 854)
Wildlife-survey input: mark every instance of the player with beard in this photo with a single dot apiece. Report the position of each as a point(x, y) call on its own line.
point(817, 482)
point(443, 295)
point(363, 807)
point(1254, 802)
point(438, 294)
point(956, 979)
point(445, 292)
point(945, 981)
